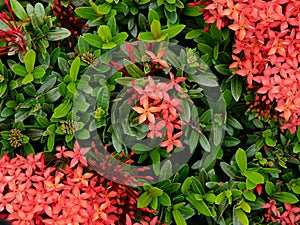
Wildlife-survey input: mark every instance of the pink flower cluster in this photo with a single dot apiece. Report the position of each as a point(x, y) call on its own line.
point(290, 216)
point(266, 49)
point(159, 109)
point(33, 193)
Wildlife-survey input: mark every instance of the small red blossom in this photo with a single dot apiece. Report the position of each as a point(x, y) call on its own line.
point(14, 36)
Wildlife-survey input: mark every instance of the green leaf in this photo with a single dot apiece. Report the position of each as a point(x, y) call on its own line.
point(38, 73)
point(153, 15)
point(29, 61)
point(227, 169)
point(18, 10)
point(132, 69)
point(156, 29)
point(144, 200)
point(141, 147)
point(27, 79)
point(179, 219)
point(241, 159)
point(154, 191)
point(241, 215)
point(155, 157)
point(62, 110)
point(199, 205)
point(3, 88)
point(204, 142)
point(245, 206)
point(223, 69)
point(19, 70)
point(105, 33)
point(120, 38)
point(58, 34)
point(236, 87)
point(164, 199)
point(74, 70)
point(103, 97)
point(173, 31)
point(270, 142)
point(230, 141)
point(86, 12)
point(205, 48)
point(146, 36)
point(186, 185)
point(285, 197)
point(104, 8)
point(93, 40)
point(82, 45)
point(193, 34)
point(50, 142)
point(166, 171)
point(28, 149)
point(254, 177)
point(234, 122)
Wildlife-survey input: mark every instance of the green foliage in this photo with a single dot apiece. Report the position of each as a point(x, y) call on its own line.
point(240, 160)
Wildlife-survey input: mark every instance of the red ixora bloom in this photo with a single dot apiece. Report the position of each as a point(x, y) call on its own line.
point(268, 35)
point(13, 36)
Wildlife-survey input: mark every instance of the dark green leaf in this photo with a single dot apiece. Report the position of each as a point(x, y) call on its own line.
point(62, 110)
point(236, 87)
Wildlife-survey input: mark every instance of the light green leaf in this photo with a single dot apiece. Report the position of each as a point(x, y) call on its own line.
point(254, 177)
point(19, 70)
point(173, 31)
point(18, 10)
point(105, 34)
point(156, 29)
point(179, 219)
point(241, 215)
point(28, 78)
point(144, 200)
point(74, 70)
point(38, 73)
point(241, 159)
point(93, 40)
point(29, 60)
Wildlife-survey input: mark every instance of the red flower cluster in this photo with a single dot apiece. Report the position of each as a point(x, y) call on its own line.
point(290, 216)
point(68, 19)
point(13, 36)
point(268, 35)
point(159, 109)
point(32, 192)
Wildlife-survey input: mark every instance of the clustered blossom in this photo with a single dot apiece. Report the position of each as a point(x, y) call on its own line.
point(32, 192)
point(13, 37)
point(68, 19)
point(290, 216)
point(266, 49)
point(160, 110)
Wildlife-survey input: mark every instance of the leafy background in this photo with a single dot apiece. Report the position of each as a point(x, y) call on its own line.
point(256, 169)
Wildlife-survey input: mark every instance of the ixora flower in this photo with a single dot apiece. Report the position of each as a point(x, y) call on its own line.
point(159, 109)
point(32, 192)
point(12, 36)
point(267, 32)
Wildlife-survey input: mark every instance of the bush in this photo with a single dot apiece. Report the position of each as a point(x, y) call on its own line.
point(149, 112)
